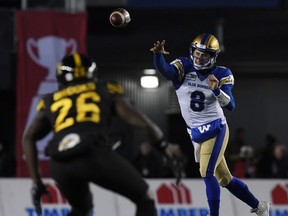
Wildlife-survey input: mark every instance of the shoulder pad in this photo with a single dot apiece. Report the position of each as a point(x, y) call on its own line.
point(227, 80)
point(224, 75)
point(222, 67)
point(179, 65)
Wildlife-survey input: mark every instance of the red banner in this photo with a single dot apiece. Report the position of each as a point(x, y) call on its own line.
point(44, 37)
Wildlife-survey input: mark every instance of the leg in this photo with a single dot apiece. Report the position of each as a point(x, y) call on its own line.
point(234, 185)
point(75, 189)
point(238, 188)
point(212, 186)
point(211, 153)
point(146, 207)
point(116, 174)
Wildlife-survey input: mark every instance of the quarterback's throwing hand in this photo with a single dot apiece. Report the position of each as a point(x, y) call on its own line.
point(158, 48)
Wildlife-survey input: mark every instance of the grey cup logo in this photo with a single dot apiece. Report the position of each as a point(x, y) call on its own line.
point(50, 50)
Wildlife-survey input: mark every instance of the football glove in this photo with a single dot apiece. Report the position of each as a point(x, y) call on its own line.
point(38, 189)
point(174, 161)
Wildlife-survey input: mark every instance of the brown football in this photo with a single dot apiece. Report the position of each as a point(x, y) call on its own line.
point(119, 17)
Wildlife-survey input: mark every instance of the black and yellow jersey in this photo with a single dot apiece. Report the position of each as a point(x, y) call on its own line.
point(78, 113)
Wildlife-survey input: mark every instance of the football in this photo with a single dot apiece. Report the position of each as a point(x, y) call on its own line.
point(119, 18)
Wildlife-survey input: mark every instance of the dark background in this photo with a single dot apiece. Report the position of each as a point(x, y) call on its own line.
point(253, 37)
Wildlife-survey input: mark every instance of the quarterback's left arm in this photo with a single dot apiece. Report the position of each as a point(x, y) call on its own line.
point(223, 90)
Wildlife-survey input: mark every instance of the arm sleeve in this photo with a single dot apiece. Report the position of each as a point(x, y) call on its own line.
point(225, 96)
point(224, 92)
point(169, 71)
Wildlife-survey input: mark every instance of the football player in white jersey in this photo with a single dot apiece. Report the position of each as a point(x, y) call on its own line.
point(203, 90)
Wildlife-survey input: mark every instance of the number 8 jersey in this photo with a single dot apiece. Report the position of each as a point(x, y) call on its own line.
point(198, 103)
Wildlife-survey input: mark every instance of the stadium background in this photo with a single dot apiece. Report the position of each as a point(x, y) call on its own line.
point(253, 36)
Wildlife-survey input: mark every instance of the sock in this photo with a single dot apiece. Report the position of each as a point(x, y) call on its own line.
point(213, 195)
point(239, 189)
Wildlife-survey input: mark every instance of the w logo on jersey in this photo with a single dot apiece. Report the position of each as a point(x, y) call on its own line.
point(207, 131)
point(204, 128)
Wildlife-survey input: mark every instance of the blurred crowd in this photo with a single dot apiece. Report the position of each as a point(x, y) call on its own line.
point(243, 159)
point(151, 164)
point(270, 161)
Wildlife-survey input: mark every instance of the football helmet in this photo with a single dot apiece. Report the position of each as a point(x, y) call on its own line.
point(208, 44)
point(75, 68)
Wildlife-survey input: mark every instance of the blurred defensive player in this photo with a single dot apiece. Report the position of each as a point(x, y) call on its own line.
point(79, 114)
point(203, 89)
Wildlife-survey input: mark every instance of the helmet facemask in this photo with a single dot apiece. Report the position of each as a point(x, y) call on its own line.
point(203, 63)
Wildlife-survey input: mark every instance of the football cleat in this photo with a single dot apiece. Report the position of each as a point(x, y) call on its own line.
point(262, 209)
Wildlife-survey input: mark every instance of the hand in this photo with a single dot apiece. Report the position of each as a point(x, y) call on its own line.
point(158, 48)
point(38, 189)
point(173, 157)
point(172, 150)
point(175, 160)
point(213, 82)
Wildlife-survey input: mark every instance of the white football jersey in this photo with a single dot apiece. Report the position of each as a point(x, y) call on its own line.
point(197, 102)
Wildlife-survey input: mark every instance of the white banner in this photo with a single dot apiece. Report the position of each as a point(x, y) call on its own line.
point(186, 200)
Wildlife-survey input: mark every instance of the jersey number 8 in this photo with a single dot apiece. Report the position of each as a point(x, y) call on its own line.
point(197, 101)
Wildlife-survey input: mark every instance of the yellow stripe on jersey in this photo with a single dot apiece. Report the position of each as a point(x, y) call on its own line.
point(115, 88)
point(227, 80)
point(41, 105)
point(178, 64)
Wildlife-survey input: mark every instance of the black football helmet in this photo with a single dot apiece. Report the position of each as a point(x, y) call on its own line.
point(75, 68)
point(206, 43)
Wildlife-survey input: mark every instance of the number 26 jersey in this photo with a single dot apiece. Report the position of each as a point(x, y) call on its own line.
point(79, 115)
